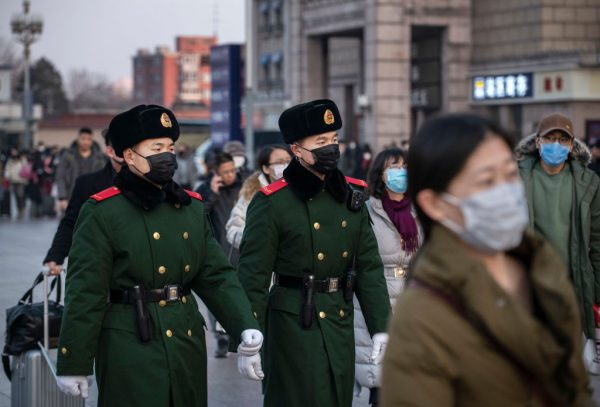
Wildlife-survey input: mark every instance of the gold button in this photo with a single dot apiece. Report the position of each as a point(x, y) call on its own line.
point(162, 303)
point(169, 333)
point(255, 315)
point(342, 313)
point(187, 268)
point(184, 300)
point(162, 269)
point(186, 235)
point(345, 254)
point(177, 206)
point(64, 351)
point(322, 315)
point(317, 226)
point(399, 272)
point(320, 256)
point(189, 332)
point(344, 223)
point(156, 235)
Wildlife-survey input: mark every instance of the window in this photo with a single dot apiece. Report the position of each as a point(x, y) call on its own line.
point(265, 60)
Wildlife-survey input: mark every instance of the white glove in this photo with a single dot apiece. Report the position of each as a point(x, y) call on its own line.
point(380, 341)
point(73, 385)
point(252, 340)
point(250, 367)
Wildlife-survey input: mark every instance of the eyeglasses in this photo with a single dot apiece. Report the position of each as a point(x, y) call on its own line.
point(281, 162)
point(404, 166)
point(562, 139)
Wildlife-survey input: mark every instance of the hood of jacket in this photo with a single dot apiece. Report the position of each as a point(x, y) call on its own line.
point(253, 184)
point(527, 149)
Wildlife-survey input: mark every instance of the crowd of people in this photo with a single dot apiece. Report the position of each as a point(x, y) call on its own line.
point(39, 183)
point(464, 271)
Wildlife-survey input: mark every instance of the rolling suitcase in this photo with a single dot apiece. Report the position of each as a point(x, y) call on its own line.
point(33, 381)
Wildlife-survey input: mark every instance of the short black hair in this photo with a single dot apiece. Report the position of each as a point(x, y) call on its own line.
point(106, 137)
point(439, 151)
point(222, 158)
point(85, 130)
point(375, 177)
point(264, 155)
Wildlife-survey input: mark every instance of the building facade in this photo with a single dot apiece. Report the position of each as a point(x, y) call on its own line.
point(391, 64)
point(168, 77)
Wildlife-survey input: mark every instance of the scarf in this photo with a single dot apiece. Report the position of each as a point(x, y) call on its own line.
point(146, 195)
point(402, 218)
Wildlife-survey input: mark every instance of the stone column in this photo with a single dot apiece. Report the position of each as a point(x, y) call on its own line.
point(387, 69)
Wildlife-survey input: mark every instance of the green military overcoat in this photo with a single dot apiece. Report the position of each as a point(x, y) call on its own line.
point(117, 245)
point(300, 226)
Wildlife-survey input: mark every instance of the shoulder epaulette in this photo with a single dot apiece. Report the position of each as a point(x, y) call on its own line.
point(193, 194)
point(105, 194)
point(274, 187)
point(357, 181)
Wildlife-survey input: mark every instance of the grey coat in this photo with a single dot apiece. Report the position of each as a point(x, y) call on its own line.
point(585, 223)
point(68, 169)
point(395, 264)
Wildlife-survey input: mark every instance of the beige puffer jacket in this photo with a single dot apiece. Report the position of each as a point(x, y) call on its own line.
point(395, 264)
point(237, 219)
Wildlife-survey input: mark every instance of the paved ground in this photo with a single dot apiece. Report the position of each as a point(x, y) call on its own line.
point(23, 246)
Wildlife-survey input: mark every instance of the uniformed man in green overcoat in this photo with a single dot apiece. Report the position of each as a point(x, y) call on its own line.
point(139, 250)
point(311, 231)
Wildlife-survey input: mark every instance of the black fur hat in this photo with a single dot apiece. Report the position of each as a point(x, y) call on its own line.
point(309, 119)
point(140, 123)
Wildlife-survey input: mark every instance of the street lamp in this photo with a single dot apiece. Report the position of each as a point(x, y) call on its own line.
point(27, 28)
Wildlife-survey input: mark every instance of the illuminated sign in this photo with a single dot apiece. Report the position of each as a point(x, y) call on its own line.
point(225, 112)
point(510, 86)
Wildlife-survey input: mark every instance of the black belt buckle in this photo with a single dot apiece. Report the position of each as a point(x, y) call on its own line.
point(172, 293)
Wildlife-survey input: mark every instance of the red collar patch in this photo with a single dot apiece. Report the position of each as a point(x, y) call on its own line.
point(274, 187)
point(193, 194)
point(107, 193)
point(357, 181)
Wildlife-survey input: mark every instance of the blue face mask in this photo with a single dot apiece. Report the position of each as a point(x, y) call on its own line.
point(397, 180)
point(554, 154)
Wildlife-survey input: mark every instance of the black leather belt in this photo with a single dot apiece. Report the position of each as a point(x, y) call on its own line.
point(329, 285)
point(169, 293)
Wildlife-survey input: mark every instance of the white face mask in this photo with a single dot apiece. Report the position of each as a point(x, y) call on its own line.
point(278, 171)
point(495, 219)
point(239, 161)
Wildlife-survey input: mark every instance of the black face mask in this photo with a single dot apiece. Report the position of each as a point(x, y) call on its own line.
point(326, 158)
point(162, 167)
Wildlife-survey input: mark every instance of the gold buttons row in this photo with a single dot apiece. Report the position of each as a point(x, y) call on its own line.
point(323, 315)
point(321, 256)
point(163, 269)
point(163, 303)
point(169, 333)
point(156, 235)
point(317, 225)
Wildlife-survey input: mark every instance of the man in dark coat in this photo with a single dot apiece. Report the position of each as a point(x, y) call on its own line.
point(85, 186)
point(220, 193)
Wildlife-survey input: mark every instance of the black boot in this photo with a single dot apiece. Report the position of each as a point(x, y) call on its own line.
point(222, 345)
point(374, 396)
